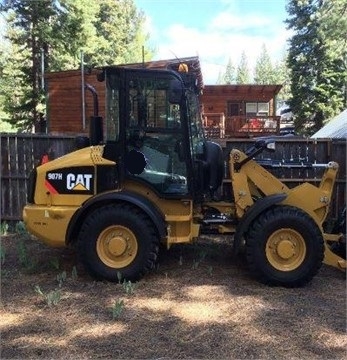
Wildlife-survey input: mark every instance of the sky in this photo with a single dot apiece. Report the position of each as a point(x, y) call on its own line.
point(216, 31)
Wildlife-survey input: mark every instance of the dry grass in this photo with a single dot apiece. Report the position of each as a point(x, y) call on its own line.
point(197, 304)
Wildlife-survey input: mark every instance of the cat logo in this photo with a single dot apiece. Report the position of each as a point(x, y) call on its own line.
point(80, 182)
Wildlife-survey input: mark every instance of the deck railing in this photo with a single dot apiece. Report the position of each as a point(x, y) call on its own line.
point(219, 126)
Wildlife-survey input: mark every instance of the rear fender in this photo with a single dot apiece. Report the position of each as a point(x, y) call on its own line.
point(129, 197)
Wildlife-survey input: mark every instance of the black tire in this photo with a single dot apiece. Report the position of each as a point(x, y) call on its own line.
point(118, 242)
point(285, 247)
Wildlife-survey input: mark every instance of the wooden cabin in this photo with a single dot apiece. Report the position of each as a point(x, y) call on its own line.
point(240, 110)
point(228, 110)
point(70, 105)
point(68, 111)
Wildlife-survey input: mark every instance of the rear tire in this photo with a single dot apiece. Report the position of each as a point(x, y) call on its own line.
point(284, 247)
point(118, 242)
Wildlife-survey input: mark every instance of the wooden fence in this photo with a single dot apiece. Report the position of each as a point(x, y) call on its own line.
point(20, 153)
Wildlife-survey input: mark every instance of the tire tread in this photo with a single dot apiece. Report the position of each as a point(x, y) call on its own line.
point(278, 213)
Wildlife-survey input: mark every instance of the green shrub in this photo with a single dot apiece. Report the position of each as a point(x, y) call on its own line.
point(117, 309)
point(52, 298)
point(4, 228)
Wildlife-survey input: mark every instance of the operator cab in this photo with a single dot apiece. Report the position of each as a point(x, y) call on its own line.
point(154, 132)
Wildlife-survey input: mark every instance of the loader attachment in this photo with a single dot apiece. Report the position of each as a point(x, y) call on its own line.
point(254, 187)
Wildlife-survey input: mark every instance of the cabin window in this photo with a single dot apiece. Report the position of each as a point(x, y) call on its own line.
point(257, 109)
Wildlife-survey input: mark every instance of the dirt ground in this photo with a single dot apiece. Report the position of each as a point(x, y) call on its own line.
point(198, 304)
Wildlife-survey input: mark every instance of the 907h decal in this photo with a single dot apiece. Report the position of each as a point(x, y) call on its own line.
point(74, 180)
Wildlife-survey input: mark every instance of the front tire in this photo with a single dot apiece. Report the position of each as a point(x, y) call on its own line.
point(284, 247)
point(118, 242)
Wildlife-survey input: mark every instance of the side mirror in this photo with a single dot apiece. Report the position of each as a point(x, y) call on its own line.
point(175, 92)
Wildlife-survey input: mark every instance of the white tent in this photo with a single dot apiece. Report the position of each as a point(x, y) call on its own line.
point(336, 128)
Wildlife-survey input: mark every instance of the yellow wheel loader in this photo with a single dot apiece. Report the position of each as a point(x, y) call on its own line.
point(149, 176)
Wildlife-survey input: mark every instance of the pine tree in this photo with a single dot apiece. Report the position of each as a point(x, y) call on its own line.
point(220, 79)
point(28, 31)
point(57, 31)
point(281, 76)
point(4, 86)
point(242, 75)
point(264, 72)
point(317, 60)
point(119, 29)
point(79, 35)
point(229, 76)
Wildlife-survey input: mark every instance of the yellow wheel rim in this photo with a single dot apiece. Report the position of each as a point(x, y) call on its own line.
point(117, 246)
point(285, 249)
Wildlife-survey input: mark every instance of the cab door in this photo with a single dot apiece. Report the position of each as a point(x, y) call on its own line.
point(154, 130)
